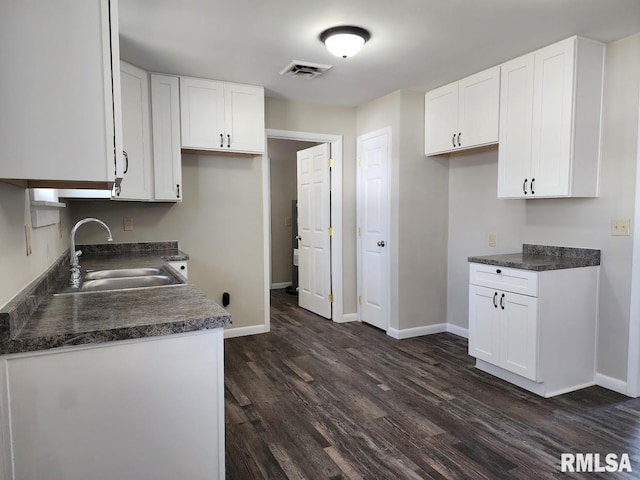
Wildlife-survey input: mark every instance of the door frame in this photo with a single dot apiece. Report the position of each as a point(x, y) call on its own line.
point(366, 136)
point(633, 361)
point(336, 217)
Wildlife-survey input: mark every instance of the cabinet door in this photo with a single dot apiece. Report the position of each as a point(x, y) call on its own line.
point(518, 335)
point(516, 114)
point(483, 323)
point(167, 159)
point(59, 112)
point(552, 119)
point(244, 118)
point(441, 119)
point(202, 113)
point(478, 109)
point(137, 181)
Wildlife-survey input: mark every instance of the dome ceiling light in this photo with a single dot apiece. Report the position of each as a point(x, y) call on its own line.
point(344, 41)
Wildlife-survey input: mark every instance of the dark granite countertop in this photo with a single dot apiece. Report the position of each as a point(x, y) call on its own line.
point(540, 258)
point(38, 320)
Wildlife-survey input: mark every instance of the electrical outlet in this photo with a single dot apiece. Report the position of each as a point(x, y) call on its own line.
point(128, 224)
point(620, 227)
point(492, 239)
point(287, 221)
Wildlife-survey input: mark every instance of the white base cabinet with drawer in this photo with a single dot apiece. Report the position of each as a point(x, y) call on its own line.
point(536, 330)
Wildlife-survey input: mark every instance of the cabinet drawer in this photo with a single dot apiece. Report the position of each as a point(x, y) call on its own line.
point(503, 278)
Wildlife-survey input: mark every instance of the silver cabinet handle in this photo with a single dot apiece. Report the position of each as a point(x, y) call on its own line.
point(381, 243)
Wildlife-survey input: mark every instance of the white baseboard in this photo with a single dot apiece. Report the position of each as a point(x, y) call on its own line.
point(457, 330)
point(417, 331)
point(348, 317)
point(244, 331)
point(611, 383)
point(278, 286)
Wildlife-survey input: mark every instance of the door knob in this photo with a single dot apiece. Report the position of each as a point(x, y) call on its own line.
point(381, 243)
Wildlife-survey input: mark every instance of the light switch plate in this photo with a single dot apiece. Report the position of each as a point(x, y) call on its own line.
point(492, 240)
point(620, 227)
point(287, 221)
point(128, 224)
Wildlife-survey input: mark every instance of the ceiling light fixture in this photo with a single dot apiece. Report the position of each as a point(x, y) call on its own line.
point(345, 41)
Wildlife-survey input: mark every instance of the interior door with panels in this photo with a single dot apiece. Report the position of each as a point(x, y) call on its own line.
point(314, 222)
point(373, 220)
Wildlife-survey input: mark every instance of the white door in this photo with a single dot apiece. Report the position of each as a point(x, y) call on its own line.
point(516, 117)
point(165, 124)
point(373, 227)
point(244, 118)
point(478, 108)
point(519, 334)
point(552, 120)
point(202, 113)
point(136, 134)
point(314, 222)
point(484, 317)
point(441, 119)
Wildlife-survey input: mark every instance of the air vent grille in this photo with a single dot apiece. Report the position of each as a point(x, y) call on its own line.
point(304, 69)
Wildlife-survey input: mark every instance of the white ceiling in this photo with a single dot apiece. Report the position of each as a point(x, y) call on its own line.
point(415, 44)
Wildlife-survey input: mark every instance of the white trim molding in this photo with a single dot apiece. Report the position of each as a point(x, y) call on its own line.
point(244, 331)
point(457, 330)
point(348, 317)
point(336, 215)
point(611, 383)
point(417, 331)
point(280, 286)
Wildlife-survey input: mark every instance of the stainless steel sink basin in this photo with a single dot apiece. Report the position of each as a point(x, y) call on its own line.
point(118, 283)
point(123, 278)
point(122, 272)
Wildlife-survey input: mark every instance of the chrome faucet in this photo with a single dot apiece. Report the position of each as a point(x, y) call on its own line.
point(75, 265)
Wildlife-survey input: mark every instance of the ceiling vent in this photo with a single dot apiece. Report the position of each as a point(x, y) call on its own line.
point(304, 69)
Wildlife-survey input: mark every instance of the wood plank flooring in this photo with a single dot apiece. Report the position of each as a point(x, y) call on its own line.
point(318, 400)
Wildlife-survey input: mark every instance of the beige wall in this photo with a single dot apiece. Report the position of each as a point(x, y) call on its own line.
point(418, 216)
point(314, 118)
point(283, 177)
point(47, 243)
point(219, 224)
point(475, 212)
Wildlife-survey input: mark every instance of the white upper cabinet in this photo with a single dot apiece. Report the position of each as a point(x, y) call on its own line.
point(550, 114)
point(463, 114)
point(136, 135)
point(221, 116)
point(167, 157)
point(60, 95)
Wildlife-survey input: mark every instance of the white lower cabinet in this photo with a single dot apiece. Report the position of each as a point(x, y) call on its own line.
point(534, 329)
point(151, 408)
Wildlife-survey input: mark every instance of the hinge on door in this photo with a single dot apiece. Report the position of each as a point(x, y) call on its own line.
point(359, 231)
point(330, 162)
point(360, 299)
point(330, 231)
point(330, 298)
point(359, 162)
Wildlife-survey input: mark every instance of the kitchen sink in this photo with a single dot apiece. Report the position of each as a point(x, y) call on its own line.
point(122, 272)
point(118, 283)
point(121, 279)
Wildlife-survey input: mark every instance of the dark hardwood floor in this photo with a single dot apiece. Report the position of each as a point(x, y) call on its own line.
point(318, 400)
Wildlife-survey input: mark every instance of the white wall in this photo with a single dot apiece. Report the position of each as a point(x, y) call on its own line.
point(219, 224)
point(418, 217)
point(335, 120)
point(47, 243)
point(475, 212)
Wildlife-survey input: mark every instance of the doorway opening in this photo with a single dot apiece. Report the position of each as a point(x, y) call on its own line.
point(278, 212)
